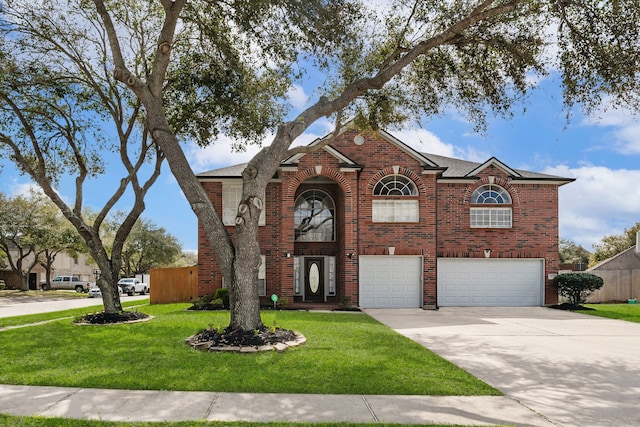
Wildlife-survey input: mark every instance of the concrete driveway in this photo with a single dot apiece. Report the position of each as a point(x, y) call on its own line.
point(574, 369)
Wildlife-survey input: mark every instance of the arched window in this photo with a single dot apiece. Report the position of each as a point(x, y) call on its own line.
point(395, 185)
point(495, 211)
point(314, 217)
point(491, 194)
point(395, 199)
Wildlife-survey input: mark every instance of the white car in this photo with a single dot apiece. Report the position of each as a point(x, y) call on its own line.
point(95, 292)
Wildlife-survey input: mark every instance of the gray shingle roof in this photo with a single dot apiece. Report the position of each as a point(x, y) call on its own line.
point(456, 168)
point(234, 171)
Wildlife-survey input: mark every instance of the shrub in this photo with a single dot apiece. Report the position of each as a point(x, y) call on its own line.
point(576, 286)
point(283, 302)
point(207, 302)
point(2, 285)
point(223, 294)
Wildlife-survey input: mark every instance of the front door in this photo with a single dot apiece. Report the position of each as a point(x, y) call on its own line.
point(314, 279)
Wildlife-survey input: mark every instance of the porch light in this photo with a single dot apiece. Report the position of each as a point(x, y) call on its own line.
point(351, 255)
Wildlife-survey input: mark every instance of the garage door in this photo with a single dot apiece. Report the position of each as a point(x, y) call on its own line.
point(390, 281)
point(490, 282)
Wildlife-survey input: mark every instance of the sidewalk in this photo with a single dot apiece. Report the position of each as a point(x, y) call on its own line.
point(18, 307)
point(138, 405)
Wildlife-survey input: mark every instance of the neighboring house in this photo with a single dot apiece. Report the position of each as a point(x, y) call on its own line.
point(64, 265)
point(369, 221)
point(621, 275)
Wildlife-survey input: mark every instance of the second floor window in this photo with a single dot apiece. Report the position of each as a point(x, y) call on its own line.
point(491, 207)
point(395, 199)
point(314, 217)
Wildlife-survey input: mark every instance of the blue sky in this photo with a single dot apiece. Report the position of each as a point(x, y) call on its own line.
point(602, 153)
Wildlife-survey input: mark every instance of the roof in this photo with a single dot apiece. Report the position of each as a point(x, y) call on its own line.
point(625, 260)
point(450, 168)
point(457, 168)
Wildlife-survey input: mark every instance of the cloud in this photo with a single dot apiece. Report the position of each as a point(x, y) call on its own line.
point(297, 97)
point(625, 132)
point(602, 201)
point(222, 154)
point(427, 142)
point(24, 189)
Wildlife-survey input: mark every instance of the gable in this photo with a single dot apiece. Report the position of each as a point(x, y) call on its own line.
point(352, 150)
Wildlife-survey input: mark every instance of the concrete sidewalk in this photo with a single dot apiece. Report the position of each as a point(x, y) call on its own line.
point(19, 307)
point(132, 405)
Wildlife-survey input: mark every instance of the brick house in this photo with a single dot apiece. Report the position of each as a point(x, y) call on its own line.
point(369, 221)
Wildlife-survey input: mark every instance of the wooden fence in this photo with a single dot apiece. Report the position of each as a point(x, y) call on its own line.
point(170, 285)
point(619, 285)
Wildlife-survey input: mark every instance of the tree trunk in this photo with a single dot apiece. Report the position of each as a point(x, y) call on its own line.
point(24, 283)
point(110, 295)
point(243, 296)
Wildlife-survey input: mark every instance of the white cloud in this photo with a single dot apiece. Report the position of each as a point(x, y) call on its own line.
point(221, 153)
point(600, 202)
point(427, 142)
point(625, 135)
point(297, 97)
point(24, 189)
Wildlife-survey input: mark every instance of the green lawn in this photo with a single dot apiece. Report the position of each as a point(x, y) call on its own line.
point(629, 312)
point(345, 353)
point(7, 421)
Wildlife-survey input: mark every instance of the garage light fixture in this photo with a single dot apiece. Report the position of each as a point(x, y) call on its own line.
point(487, 253)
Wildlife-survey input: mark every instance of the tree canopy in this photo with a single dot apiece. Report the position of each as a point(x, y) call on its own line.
point(570, 253)
point(213, 68)
point(613, 244)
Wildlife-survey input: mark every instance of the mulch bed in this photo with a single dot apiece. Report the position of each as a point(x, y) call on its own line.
point(231, 337)
point(570, 307)
point(104, 318)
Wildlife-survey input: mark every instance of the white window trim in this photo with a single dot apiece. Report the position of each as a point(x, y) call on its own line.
point(395, 210)
point(231, 196)
point(493, 214)
point(262, 275)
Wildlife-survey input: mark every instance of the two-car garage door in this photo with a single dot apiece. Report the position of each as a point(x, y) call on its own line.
point(397, 282)
point(490, 282)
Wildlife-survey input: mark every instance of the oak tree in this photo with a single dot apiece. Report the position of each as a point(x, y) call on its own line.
point(223, 67)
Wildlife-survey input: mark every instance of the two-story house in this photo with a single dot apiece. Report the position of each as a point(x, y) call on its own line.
point(369, 221)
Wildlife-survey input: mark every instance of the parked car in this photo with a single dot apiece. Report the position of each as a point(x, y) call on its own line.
point(95, 292)
point(132, 285)
point(67, 282)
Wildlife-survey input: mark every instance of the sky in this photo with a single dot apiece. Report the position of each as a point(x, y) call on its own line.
point(602, 153)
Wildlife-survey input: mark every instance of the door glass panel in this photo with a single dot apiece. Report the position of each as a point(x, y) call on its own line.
point(314, 278)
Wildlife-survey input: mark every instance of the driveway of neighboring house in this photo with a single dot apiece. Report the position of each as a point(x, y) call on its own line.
point(574, 369)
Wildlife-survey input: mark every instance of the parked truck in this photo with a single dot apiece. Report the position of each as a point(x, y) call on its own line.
point(133, 285)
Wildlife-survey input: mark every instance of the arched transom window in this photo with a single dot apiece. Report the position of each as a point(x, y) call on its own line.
point(395, 199)
point(314, 217)
point(395, 185)
point(495, 211)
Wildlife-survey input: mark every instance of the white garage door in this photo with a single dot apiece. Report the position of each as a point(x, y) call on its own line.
point(490, 282)
point(390, 281)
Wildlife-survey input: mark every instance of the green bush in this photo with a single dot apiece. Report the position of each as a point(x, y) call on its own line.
point(223, 294)
point(576, 286)
point(2, 285)
point(207, 302)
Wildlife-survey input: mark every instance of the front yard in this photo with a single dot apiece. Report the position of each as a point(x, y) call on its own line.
point(345, 353)
point(628, 312)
